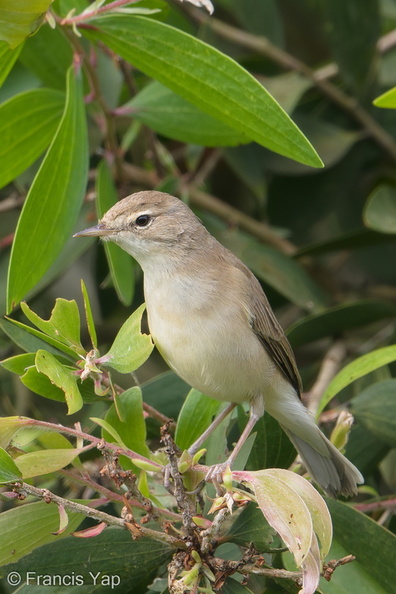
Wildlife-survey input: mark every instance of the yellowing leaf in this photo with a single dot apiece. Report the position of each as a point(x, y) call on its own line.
point(45, 461)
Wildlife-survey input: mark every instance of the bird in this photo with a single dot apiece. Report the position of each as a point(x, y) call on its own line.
point(212, 323)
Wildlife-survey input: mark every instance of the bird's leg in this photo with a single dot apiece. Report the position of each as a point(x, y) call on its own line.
point(196, 446)
point(256, 412)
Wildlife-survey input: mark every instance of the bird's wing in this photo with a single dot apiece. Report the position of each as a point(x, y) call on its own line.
point(270, 333)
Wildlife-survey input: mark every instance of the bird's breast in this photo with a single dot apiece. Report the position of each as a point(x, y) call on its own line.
point(206, 339)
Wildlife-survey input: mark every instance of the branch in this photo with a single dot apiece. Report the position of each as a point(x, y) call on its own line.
point(330, 365)
point(376, 505)
point(85, 16)
point(73, 506)
point(94, 440)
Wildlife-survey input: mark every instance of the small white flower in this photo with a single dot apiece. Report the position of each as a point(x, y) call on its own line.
point(205, 3)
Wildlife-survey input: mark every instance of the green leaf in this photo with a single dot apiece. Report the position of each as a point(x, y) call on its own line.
point(8, 427)
point(19, 363)
point(287, 88)
point(172, 116)
point(8, 57)
point(109, 430)
point(54, 199)
point(41, 384)
point(166, 392)
point(9, 471)
point(356, 369)
point(130, 348)
point(380, 210)
point(28, 123)
point(120, 263)
point(48, 54)
point(17, 24)
point(195, 416)
point(359, 535)
point(207, 78)
point(45, 461)
point(337, 319)
point(272, 447)
point(375, 408)
point(112, 553)
point(89, 316)
point(30, 339)
point(63, 325)
point(387, 99)
point(251, 526)
point(29, 526)
point(62, 377)
point(132, 428)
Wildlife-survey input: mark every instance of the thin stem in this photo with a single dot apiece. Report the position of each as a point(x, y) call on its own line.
point(330, 365)
point(94, 440)
point(80, 18)
point(376, 505)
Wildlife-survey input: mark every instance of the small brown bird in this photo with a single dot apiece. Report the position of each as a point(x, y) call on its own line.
point(212, 323)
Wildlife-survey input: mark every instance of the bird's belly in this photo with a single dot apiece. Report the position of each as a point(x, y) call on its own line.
point(210, 357)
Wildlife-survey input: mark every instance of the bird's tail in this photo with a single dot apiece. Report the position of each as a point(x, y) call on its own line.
point(325, 463)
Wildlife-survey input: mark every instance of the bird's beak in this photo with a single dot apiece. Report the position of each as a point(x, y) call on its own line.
point(98, 231)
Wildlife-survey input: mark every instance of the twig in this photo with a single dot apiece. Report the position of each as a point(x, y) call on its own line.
point(331, 566)
point(11, 202)
point(180, 494)
point(295, 576)
point(328, 369)
point(101, 516)
point(84, 16)
point(112, 496)
point(376, 505)
point(158, 416)
point(94, 440)
point(210, 536)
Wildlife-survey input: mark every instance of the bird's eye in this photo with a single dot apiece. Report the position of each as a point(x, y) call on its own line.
point(143, 220)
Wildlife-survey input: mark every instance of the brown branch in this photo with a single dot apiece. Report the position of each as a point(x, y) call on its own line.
point(180, 494)
point(330, 365)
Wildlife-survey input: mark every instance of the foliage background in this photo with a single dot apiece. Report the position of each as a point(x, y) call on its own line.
point(322, 241)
